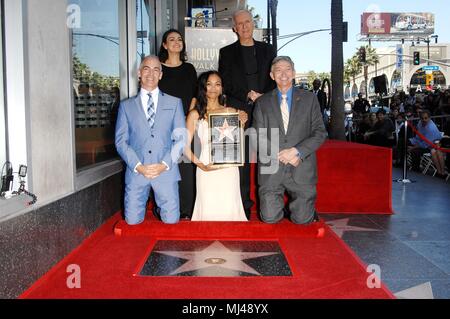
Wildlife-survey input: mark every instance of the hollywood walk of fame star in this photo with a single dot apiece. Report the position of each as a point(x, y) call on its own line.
point(339, 226)
point(217, 255)
point(423, 291)
point(226, 131)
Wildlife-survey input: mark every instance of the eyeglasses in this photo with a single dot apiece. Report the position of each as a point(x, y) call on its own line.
point(424, 118)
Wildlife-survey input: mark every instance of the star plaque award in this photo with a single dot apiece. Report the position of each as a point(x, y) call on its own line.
point(226, 137)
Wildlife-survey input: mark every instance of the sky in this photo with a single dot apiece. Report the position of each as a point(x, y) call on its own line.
point(313, 52)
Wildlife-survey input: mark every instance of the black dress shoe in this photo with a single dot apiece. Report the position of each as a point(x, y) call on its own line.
point(185, 217)
point(156, 212)
point(316, 217)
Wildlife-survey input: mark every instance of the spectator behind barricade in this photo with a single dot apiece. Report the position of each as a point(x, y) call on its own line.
point(361, 105)
point(397, 102)
point(362, 128)
point(402, 97)
point(393, 104)
point(372, 119)
point(445, 142)
point(382, 132)
point(410, 100)
point(400, 142)
point(444, 103)
point(418, 109)
point(393, 114)
point(409, 114)
point(418, 147)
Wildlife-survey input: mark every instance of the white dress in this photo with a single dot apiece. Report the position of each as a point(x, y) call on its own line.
point(218, 192)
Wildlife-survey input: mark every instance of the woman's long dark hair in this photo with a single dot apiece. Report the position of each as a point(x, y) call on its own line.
point(202, 100)
point(163, 54)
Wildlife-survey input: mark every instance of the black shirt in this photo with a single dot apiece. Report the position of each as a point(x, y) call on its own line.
point(251, 67)
point(181, 82)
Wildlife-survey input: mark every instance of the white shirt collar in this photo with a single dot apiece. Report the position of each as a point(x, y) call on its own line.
point(144, 98)
point(154, 93)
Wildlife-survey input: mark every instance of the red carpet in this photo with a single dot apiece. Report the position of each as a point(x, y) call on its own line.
point(353, 178)
point(322, 267)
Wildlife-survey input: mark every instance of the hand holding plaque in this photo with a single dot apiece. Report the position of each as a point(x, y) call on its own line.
point(226, 139)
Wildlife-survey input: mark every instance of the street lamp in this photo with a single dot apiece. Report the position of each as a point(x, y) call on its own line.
point(427, 41)
point(298, 35)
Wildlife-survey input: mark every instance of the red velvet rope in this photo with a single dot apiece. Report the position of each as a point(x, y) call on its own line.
point(430, 143)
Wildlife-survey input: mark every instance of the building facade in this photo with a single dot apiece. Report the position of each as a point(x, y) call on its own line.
point(66, 65)
point(397, 66)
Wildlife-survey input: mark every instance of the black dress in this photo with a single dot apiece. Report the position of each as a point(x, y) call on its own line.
point(181, 82)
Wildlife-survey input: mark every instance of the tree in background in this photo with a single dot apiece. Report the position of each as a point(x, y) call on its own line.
point(312, 75)
point(83, 74)
point(352, 68)
point(371, 59)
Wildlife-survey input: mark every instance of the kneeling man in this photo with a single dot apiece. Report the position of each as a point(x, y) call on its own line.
point(150, 137)
point(290, 129)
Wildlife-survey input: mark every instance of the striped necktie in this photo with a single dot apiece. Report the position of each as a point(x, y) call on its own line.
point(284, 112)
point(151, 111)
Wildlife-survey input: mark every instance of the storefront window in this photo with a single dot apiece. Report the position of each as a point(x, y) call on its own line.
point(146, 37)
point(96, 78)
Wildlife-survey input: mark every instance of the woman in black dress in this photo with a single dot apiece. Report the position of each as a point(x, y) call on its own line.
point(179, 79)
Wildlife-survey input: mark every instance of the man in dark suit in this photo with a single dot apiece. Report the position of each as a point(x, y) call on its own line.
point(245, 67)
point(321, 95)
point(290, 130)
point(361, 105)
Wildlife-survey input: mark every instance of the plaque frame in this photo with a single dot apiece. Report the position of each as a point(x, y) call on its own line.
point(238, 145)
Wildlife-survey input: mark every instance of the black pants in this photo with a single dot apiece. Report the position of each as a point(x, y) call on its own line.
point(187, 189)
point(416, 154)
point(245, 181)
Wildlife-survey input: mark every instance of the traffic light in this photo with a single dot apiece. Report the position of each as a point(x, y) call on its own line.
point(362, 55)
point(416, 58)
point(429, 79)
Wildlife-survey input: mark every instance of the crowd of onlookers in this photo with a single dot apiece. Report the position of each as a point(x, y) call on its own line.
point(381, 123)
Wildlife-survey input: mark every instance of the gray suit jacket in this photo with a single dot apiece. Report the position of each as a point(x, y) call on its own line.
point(306, 132)
point(136, 142)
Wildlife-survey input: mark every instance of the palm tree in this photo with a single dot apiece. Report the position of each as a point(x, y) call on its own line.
point(337, 130)
point(372, 59)
point(352, 68)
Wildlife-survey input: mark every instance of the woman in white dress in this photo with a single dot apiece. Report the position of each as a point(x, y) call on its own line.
point(218, 191)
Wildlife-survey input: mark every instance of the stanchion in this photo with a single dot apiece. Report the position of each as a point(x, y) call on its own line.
point(405, 179)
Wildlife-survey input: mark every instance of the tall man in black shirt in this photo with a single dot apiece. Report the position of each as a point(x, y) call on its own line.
point(245, 69)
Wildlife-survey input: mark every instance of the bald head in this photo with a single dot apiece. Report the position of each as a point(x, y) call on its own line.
point(150, 72)
point(149, 58)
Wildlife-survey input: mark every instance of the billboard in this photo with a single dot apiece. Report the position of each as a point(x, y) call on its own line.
point(397, 24)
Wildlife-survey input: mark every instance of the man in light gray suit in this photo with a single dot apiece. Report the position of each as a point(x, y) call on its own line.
point(150, 137)
point(290, 130)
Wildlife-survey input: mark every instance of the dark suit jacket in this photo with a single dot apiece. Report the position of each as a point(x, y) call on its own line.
point(232, 70)
point(306, 132)
point(322, 97)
